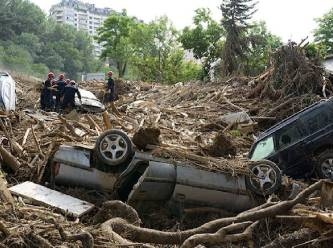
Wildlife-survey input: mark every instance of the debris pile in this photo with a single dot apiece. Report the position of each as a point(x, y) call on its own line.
point(292, 73)
point(210, 126)
point(296, 222)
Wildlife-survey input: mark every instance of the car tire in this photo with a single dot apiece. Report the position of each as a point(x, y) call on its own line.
point(113, 149)
point(324, 164)
point(265, 177)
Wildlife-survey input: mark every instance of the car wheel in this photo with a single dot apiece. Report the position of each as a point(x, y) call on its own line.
point(265, 177)
point(113, 149)
point(324, 165)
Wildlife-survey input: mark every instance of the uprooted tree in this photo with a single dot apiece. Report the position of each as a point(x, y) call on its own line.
point(236, 14)
point(291, 73)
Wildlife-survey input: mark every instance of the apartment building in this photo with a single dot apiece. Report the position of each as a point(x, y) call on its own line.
point(83, 16)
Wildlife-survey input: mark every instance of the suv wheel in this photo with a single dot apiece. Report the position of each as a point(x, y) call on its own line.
point(113, 148)
point(324, 166)
point(265, 177)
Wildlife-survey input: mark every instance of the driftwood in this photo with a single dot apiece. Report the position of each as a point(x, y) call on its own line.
point(48, 154)
point(70, 128)
point(4, 229)
point(5, 195)
point(106, 119)
point(144, 235)
point(111, 209)
point(9, 159)
point(221, 236)
point(14, 145)
point(291, 239)
point(86, 238)
point(92, 123)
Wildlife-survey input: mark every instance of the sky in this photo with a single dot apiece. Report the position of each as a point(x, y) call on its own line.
point(289, 19)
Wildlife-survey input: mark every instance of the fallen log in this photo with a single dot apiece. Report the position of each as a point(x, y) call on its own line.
point(5, 195)
point(291, 239)
point(92, 123)
point(145, 235)
point(111, 209)
point(9, 159)
point(86, 238)
point(219, 237)
point(4, 229)
point(106, 120)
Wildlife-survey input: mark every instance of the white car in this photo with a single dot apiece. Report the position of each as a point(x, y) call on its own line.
point(90, 102)
point(7, 92)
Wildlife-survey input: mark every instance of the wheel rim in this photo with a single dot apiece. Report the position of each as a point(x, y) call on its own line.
point(113, 148)
point(327, 168)
point(264, 177)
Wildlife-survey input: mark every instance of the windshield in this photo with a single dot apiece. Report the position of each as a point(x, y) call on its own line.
point(263, 149)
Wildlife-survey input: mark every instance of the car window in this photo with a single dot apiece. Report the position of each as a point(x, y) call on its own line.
point(288, 135)
point(263, 149)
point(317, 119)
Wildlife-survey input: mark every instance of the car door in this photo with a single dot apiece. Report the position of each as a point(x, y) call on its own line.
point(291, 155)
point(319, 127)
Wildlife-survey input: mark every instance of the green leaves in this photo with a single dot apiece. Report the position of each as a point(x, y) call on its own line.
point(324, 33)
point(204, 39)
point(149, 52)
point(116, 37)
point(236, 14)
point(35, 44)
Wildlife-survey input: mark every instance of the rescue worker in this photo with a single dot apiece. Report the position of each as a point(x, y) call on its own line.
point(60, 86)
point(69, 95)
point(46, 100)
point(111, 93)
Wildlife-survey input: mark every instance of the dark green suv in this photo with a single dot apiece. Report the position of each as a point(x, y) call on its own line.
point(302, 144)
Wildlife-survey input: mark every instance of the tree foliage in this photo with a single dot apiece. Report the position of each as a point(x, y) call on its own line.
point(324, 33)
point(261, 44)
point(204, 39)
point(35, 44)
point(115, 35)
point(151, 50)
point(236, 14)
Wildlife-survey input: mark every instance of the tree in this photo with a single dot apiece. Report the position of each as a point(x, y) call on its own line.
point(324, 33)
point(204, 39)
point(30, 42)
point(115, 37)
point(66, 50)
point(154, 44)
point(236, 14)
point(261, 44)
point(18, 16)
point(35, 44)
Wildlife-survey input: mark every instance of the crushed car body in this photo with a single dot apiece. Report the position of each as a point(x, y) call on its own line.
point(136, 177)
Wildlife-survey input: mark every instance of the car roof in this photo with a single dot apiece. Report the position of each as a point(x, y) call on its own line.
point(2, 73)
point(291, 118)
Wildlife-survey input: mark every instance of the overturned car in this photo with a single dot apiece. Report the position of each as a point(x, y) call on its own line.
point(136, 177)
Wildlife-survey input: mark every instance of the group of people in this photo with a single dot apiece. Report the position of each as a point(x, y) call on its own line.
point(57, 95)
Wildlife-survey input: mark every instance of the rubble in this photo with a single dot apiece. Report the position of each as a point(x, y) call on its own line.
point(188, 126)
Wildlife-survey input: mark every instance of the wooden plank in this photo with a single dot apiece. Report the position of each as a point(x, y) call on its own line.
point(45, 196)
